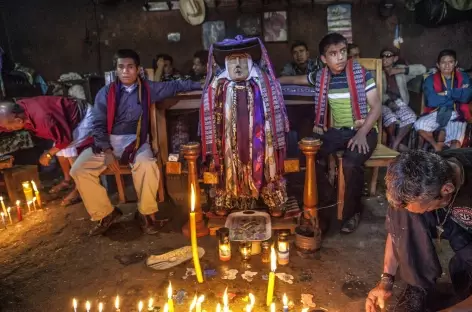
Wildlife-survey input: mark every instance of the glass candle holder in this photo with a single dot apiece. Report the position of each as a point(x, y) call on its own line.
point(245, 248)
point(283, 248)
point(265, 252)
point(28, 191)
point(224, 245)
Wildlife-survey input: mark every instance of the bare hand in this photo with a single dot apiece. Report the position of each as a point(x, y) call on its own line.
point(377, 297)
point(442, 93)
point(359, 141)
point(44, 159)
point(319, 130)
point(465, 86)
point(111, 162)
point(359, 123)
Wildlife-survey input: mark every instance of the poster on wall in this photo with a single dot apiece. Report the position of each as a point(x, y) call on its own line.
point(275, 26)
point(212, 32)
point(339, 20)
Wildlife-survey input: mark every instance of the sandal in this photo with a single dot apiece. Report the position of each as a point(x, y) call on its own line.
point(63, 185)
point(71, 199)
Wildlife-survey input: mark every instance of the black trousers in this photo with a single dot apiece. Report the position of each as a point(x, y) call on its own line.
point(335, 140)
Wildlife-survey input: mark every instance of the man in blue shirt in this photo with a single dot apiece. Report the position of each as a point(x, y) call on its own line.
point(121, 131)
point(447, 94)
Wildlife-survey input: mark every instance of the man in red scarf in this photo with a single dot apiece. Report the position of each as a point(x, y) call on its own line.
point(121, 133)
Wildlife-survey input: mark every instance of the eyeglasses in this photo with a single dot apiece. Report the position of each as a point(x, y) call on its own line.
point(387, 55)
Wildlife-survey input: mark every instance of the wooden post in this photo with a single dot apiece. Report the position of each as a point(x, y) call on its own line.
point(191, 153)
point(309, 147)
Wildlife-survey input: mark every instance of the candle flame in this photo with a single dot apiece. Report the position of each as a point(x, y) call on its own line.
point(2, 214)
point(34, 186)
point(17, 202)
point(192, 198)
point(169, 291)
point(25, 184)
point(1, 198)
point(194, 303)
point(100, 307)
point(34, 198)
point(150, 304)
point(285, 300)
point(9, 209)
point(218, 307)
point(117, 302)
point(74, 303)
point(252, 299)
point(272, 307)
point(225, 297)
point(87, 306)
point(305, 310)
point(140, 306)
point(273, 259)
point(166, 307)
point(200, 299)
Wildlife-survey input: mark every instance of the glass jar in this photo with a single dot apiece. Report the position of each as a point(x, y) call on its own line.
point(265, 246)
point(245, 248)
point(283, 248)
point(224, 246)
point(28, 191)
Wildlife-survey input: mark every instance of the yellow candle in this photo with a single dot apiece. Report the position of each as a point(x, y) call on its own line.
point(36, 194)
point(272, 307)
point(74, 304)
point(199, 303)
point(140, 306)
point(193, 304)
point(27, 190)
point(193, 237)
point(88, 306)
point(273, 267)
point(3, 205)
point(9, 215)
point(170, 302)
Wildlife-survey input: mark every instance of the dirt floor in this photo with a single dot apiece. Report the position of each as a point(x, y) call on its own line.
point(48, 259)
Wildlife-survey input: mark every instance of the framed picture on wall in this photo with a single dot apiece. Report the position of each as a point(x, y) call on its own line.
point(249, 25)
point(212, 32)
point(275, 26)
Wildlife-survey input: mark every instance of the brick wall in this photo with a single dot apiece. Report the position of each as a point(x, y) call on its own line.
point(50, 34)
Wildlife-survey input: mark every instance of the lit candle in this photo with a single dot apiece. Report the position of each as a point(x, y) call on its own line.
point(74, 304)
point(28, 191)
point(3, 205)
point(140, 306)
point(272, 307)
point(170, 302)
point(34, 203)
point(18, 211)
point(218, 307)
point(225, 301)
point(166, 308)
point(285, 302)
point(151, 304)
point(117, 303)
point(273, 267)
point(3, 219)
point(305, 310)
point(9, 215)
point(100, 307)
point(36, 193)
point(29, 205)
point(199, 303)
point(251, 303)
point(88, 306)
point(193, 304)
point(193, 237)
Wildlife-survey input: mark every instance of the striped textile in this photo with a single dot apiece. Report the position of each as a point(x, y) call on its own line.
point(404, 116)
point(455, 130)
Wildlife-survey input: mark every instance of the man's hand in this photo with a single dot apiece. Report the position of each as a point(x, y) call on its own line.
point(394, 71)
point(359, 141)
point(377, 297)
point(465, 86)
point(45, 159)
point(319, 130)
point(111, 162)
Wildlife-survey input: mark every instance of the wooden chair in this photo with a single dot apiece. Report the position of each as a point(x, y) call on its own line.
point(125, 170)
point(382, 155)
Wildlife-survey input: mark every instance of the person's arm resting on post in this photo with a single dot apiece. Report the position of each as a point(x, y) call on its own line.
point(163, 90)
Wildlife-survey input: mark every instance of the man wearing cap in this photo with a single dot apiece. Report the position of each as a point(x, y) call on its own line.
point(396, 109)
point(243, 125)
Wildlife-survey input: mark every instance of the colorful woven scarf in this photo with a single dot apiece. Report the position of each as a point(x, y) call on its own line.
point(356, 81)
point(144, 99)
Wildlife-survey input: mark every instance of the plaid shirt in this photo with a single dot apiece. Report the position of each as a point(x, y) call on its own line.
point(292, 69)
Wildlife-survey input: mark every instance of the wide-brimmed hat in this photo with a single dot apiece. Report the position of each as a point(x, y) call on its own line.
point(193, 11)
point(226, 47)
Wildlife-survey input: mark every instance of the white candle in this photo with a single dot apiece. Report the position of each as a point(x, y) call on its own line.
point(285, 302)
point(225, 301)
point(34, 203)
point(199, 303)
point(3, 219)
point(9, 215)
point(193, 304)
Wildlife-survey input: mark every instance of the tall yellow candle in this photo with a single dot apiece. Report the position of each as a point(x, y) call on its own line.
point(3, 205)
point(170, 302)
point(193, 237)
point(273, 267)
point(199, 303)
point(36, 194)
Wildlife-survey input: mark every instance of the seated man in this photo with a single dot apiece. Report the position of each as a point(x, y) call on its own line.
point(447, 94)
point(120, 129)
point(302, 63)
point(355, 109)
point(354, 51)
point(164, 69)
point(429, 196)
point(199, 68)
point(65, 121)
point(396, 98)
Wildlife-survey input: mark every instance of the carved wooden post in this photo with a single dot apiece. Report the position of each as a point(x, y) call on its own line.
point(191, 153)
point(309, 147)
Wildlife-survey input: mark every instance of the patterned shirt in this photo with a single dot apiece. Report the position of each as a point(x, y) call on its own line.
point(292, 69)
point(339, 98)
